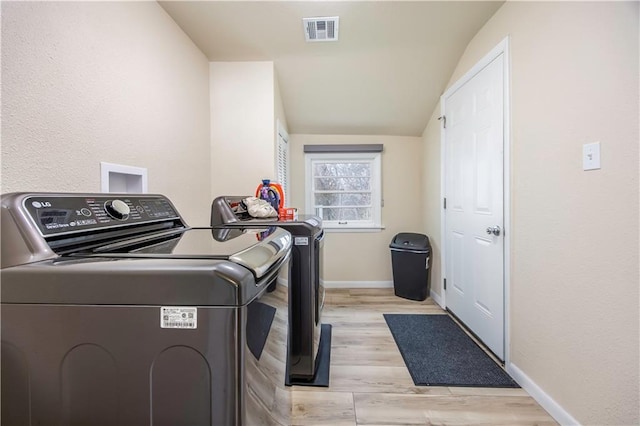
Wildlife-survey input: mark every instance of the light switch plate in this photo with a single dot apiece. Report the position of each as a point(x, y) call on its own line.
point(591, 156)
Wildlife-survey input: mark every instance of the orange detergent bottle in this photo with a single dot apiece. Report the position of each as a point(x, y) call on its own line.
point(271, 192)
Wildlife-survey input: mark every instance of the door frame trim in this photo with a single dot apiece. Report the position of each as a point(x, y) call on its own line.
point(501, 49)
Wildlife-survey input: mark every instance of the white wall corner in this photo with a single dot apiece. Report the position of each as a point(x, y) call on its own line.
point(283, 281)
point(556, 411)
point(436, 298)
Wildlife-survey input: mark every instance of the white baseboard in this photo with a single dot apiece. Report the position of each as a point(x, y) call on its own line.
point(358, 284)
point(557, 412)
point(436, 298)
point(347, 284)
point(283, 281)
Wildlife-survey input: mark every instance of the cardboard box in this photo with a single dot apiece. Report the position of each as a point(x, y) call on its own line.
point(288, 213)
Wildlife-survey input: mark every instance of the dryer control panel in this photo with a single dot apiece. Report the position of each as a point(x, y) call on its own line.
point(62, 214)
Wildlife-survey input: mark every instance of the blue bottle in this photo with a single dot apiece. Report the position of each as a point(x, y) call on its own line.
point(269, 194)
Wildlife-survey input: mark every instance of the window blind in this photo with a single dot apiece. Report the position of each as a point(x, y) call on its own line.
point(282, 161)
point(343, 148)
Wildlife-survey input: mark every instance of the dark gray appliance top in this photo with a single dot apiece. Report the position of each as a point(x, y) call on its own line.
point(194, 271)
point(128, 249)
point(222, 214)
point(255, 249)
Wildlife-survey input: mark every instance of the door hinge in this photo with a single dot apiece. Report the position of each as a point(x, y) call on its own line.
point(445, 203)
point(445, 283)
point(443, 118)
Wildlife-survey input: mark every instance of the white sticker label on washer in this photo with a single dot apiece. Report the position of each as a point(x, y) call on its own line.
point(301, 241)
point(178, 317)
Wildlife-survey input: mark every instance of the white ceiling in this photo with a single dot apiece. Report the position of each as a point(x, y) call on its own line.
point(383, 77)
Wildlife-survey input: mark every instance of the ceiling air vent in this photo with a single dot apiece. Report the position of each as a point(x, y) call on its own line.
point(321, 29)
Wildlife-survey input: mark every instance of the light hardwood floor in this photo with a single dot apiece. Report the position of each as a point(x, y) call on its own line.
point(370, 384)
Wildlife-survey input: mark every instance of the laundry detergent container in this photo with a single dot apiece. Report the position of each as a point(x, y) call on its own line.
point(410, 257)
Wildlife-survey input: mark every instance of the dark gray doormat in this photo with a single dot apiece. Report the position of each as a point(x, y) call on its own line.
point(438, 352)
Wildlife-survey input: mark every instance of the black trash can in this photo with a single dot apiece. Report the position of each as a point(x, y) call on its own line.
point(410, 262)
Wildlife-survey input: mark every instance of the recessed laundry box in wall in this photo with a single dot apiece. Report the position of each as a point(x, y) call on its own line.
point(410, 257)
point(123, 179)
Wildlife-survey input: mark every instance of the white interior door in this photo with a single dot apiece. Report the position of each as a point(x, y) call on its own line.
point(474, 212)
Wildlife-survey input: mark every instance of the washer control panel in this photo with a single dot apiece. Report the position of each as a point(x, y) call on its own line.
point(117, 209)
point(62, 214)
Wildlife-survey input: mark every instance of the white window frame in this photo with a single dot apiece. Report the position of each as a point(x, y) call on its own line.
point(375, 159)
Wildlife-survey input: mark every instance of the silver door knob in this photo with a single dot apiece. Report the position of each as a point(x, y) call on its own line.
point(495, 230)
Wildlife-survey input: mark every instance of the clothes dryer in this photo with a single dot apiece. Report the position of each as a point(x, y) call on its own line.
point(306, 284)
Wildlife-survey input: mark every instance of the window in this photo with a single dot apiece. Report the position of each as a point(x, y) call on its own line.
point(344, 189)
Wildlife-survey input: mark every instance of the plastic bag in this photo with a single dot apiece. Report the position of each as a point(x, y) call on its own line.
point(259, 208)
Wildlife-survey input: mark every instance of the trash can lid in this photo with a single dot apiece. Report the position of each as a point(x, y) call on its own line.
point(411, 241)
